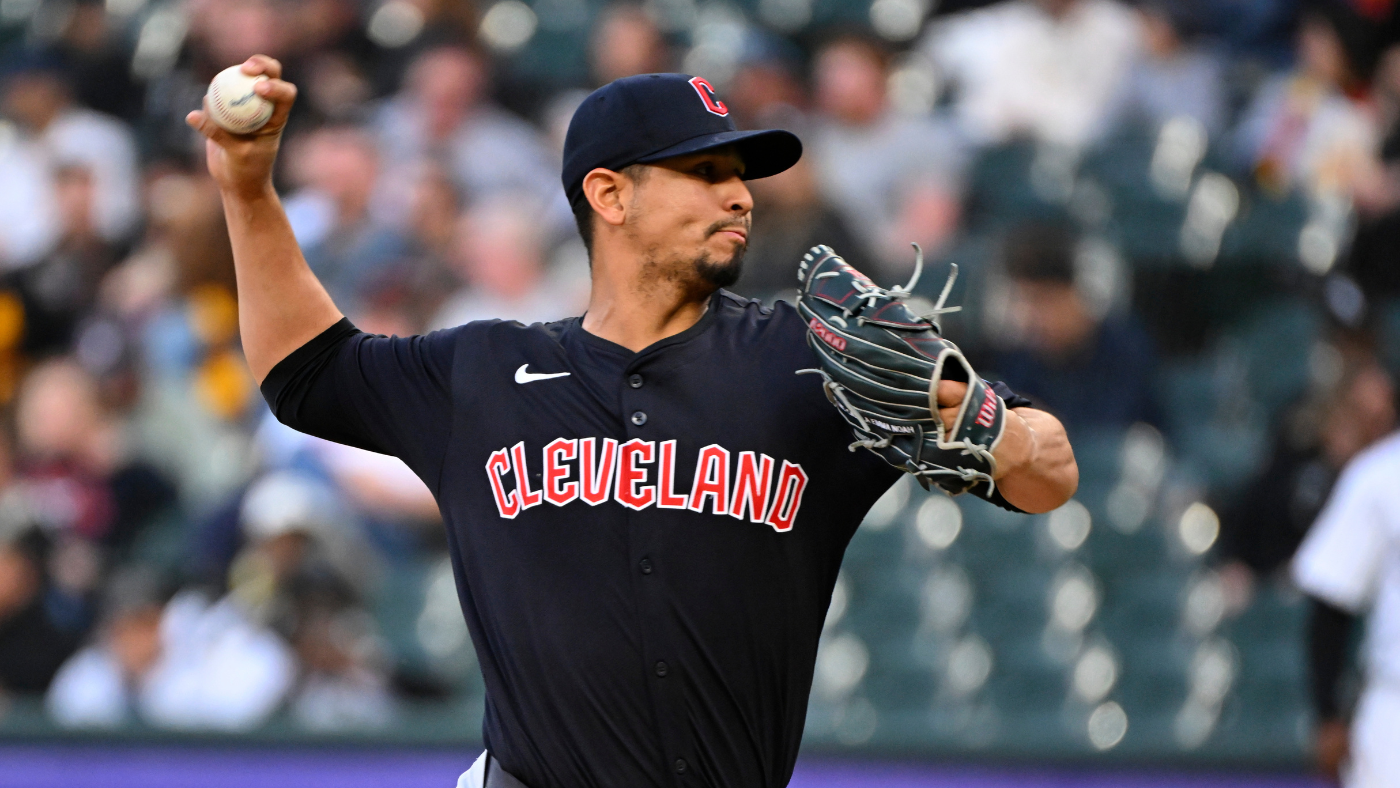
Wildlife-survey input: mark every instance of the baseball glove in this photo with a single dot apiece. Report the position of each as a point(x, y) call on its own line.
point(881, 365)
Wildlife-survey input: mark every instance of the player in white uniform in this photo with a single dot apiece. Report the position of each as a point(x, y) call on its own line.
point(1351, 559)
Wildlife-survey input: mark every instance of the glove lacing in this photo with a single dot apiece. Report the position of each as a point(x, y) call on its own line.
point(914, 465)
point(871, 295)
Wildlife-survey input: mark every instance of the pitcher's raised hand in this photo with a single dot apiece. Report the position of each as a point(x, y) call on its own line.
point(242, 163)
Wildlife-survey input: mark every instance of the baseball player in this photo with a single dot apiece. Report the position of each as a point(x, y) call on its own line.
point(1350, 561)
point(646, 507)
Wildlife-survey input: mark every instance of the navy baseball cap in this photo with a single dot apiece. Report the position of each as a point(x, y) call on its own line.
point(649, 117)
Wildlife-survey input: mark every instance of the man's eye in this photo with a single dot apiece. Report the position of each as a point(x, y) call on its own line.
point(705, 170)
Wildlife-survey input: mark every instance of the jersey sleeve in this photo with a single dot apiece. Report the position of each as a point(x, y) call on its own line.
point(1011, 398)
point(390, 395)
point(1341, 558)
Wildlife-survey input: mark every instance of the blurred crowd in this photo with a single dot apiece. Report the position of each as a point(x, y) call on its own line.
point(170, 555)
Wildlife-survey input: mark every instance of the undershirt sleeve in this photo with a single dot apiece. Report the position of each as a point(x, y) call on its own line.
point(1329, 633)
point(390, 395)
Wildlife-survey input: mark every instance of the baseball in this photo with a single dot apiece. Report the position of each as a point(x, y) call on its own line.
point(233, 104)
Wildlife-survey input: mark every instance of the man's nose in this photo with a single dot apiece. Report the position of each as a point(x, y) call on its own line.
point(737, 197)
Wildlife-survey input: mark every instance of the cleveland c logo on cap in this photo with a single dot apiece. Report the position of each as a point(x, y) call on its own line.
point(707, 95)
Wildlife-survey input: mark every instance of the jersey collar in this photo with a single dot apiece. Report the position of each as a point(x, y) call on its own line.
point(633, 358)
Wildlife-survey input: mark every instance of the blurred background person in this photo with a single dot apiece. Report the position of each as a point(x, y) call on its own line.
point(76, 472)
point(626, 41)
point(1348, 563)
point(100, 686)
point(501, 264)
point(35, 637)
point(1063, 347)
point(792, 216)
point(767, 89)
point(303, 573)
point(1039, 69)
point(345, 241)
point(59, 290)
point(1175, 73)
point(93, 48)
point(1335, 422)
point(39, 99)
point(1312, 126)
point(217, 669)
point(445, 116)
point(1371, 259)
point(27, 204)
point(425, 276)
point(894, 178)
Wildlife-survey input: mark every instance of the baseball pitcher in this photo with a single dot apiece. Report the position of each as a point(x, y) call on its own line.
point(646, 506)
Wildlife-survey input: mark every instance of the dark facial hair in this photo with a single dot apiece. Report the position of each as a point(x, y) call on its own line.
point(726, 273)
point(720, 274)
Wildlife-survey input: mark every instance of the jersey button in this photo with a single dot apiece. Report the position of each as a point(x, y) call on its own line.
point(635, 381)
point(661, 669)
point(645, 566)
point(639, 418)
point(680, 766)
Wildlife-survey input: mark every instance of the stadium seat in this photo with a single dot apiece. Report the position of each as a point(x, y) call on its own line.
point(1275, 341)
point(1266, 231)
point(1001, 190)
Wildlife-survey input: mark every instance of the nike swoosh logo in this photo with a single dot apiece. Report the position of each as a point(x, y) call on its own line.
point(521, 376)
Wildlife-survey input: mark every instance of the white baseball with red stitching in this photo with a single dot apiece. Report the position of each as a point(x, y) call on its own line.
point(233, 104)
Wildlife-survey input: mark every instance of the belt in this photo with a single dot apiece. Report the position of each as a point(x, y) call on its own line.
point(496, 777)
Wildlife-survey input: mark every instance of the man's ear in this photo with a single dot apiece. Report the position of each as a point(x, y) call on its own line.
point(609, 193)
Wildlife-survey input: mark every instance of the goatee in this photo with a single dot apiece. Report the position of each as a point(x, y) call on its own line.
point(721, 274)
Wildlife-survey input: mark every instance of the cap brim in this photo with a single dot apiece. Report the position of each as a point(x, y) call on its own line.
point(765, 153)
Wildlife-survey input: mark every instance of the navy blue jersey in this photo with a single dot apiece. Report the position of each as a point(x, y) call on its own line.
point(645, 544)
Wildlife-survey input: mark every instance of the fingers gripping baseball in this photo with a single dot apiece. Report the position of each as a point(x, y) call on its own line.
point(281, 94)
point(262, 64)
point(243, 162)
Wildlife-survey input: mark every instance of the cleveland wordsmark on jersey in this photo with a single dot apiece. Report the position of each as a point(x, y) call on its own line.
point(645, 543)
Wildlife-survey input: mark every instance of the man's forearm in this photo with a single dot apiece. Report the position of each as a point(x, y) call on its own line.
point(281, 304)
point(1039, 471)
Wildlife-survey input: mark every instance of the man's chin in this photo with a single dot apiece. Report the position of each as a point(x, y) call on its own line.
point(721, 274)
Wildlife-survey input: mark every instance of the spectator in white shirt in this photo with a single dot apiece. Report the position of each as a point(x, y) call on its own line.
point(1044, 69)
point(29, 222)
point(188, 665)
point(40, 100)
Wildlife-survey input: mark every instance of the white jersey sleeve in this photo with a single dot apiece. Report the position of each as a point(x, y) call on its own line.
point(1345, 553)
